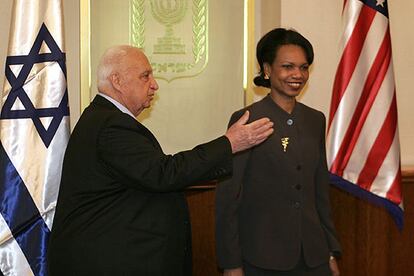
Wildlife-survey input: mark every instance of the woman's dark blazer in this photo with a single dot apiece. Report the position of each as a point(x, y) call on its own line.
point(121, 208)
point(277, 203)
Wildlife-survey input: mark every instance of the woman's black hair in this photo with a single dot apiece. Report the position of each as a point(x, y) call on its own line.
point(269, 44)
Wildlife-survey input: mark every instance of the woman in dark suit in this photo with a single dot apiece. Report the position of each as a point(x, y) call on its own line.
point(273, 215)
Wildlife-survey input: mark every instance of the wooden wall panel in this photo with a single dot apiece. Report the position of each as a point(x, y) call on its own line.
point(372, 244)
point(201, 205)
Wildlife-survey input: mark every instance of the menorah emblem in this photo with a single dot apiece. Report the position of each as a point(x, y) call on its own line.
point(168, 13)
point(177, 43)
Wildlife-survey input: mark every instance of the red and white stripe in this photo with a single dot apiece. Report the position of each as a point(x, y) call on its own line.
point(362, 140)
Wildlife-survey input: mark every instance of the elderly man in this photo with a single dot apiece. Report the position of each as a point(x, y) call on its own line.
point(121, 208)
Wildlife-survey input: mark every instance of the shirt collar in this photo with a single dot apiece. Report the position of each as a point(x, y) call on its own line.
point(117, 104)
point(280, 110)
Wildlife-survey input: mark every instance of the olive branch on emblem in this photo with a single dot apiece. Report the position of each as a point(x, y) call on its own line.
point(138, 20)
point(199, 29)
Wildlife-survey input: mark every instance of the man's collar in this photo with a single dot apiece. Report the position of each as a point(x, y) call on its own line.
point(117, 104)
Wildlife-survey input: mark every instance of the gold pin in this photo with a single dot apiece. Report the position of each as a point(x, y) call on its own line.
point(285, 143)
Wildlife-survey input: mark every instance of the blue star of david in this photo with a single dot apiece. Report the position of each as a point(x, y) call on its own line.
point(17, 90)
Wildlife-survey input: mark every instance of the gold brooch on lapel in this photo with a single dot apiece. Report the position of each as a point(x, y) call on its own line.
point(285, 143)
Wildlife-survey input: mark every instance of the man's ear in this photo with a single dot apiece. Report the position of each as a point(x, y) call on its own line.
point(115, 81)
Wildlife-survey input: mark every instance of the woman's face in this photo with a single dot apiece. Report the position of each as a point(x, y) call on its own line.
point(289, 72)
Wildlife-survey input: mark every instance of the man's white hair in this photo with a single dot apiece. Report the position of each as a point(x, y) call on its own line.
point(111, 61)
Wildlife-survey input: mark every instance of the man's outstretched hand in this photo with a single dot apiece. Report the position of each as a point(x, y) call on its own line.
point(243, 136)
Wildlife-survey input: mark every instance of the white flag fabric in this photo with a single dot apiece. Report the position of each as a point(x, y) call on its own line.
point(34, 131)
point(362, 144)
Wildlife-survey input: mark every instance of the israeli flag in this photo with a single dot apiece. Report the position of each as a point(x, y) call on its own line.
point(34, 131)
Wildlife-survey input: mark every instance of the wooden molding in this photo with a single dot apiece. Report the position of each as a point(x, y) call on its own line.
point(407, 174)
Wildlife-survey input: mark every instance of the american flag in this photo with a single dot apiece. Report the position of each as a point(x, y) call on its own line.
point(34, 131)
point(362, 142)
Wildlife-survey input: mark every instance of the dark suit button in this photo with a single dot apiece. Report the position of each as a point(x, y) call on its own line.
point(298, 187)
point(296, 205)
point(298, 167)
point(186, 222)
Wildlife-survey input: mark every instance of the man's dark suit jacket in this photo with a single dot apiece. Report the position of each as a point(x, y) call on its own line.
point(121, 208)
point(277, 203)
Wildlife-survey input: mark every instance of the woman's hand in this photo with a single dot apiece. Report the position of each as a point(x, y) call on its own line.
point(234, 272)
point(333, 265)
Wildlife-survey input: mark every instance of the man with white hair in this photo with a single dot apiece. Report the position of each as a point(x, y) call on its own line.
point(121, 208)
